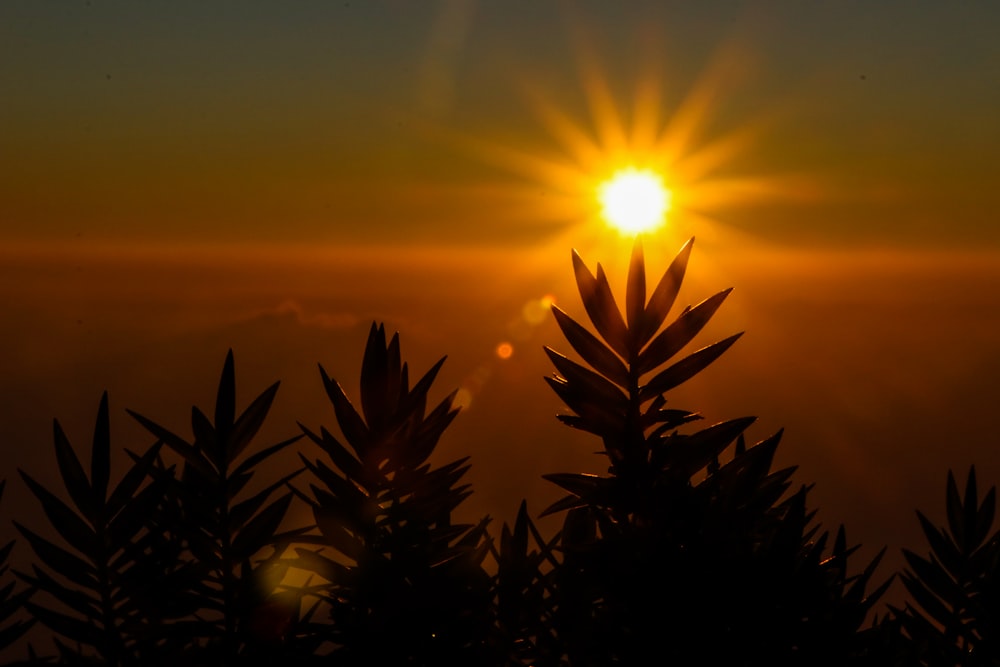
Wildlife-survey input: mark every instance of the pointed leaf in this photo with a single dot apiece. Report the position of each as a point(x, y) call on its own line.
point(329, 569)
point(933, 577)
point(347, 491)
point(236, 483)
point(375, 377)
point(59, 560)
point(635, 296)
point(100, 453)
point(588, 381)
point(338, 536)
point(680, 332)
point(426, 439)
point(970, 507)
point(954, 510)
point(249, 423)
point(587, 425)
point(260, 531)
point(943, 548)
point(351, 423)
point(72, 628)
point(598, 415)
point(206, 439)
point(251, 461)
point(665, 293)
point(225, 399)
point(126, 488)
point(610, 323)
point(341, 458)
point(73, 476)
point(191, 455)
point(241, 512)
point(840, 543)
point(984, 518)
point(78, 600)
point(14, 632)
point(590, 488)
point(70, 527)
point(670, 418)
point(134, 515)
point(600, 305)
point(394, 387)
point(686, 368)
point(593, 351)
point(570, 502)
point(418, 395)
point(689, 454)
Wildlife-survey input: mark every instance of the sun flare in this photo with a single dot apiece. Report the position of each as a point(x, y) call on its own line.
point(617, 165)
point(634, 200)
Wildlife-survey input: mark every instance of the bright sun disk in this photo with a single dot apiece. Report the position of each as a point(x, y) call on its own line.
point(634, 200)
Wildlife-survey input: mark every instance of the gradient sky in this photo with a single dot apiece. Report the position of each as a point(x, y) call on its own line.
point(180, 178)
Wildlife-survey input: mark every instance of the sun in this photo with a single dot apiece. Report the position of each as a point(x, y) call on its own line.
point(634, 200)
point(608, 165)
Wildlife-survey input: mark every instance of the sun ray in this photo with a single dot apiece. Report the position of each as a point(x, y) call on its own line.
point(678, 137)
point(687, 122)
point(716, 153)
point(604, 111)
point(570, 135)
point(646, 112)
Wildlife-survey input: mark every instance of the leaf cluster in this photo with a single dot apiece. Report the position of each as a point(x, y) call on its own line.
point(695, 518)
point(689, 548)
point(392, 562)
point(955, 615)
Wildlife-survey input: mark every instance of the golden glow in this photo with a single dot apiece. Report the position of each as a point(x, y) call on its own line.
point(505, 350)
point(634, 200)
point(673, 133)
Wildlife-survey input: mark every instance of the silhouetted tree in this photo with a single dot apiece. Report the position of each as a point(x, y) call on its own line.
point(690, 550)
point(955, 618)
point(676, 554)
point(403, 584)
point(525, 629)
point(232, 545)
point(109, 579)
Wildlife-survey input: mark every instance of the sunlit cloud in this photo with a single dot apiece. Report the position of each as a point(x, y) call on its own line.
point(322, 320)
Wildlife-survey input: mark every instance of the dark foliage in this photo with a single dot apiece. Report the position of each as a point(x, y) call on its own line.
point(955, 618)
point(106, 575)
point(675, 553)
point(231, 541)
point(403, 584)
point(11, 627)
point(690, 549)
point(525, 628)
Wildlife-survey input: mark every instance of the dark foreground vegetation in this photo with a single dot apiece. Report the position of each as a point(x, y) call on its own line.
point(688, 549)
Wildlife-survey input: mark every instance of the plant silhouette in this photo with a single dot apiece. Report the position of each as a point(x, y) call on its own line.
point(240, 616)
point(394, 564)
point(675, 553)
point(108, 578)
point(688, 549)
point(524, 594)
point(956, 588)
point(11, 629)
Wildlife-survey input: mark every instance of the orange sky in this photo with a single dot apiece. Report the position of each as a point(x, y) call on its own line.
point(176, 180)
